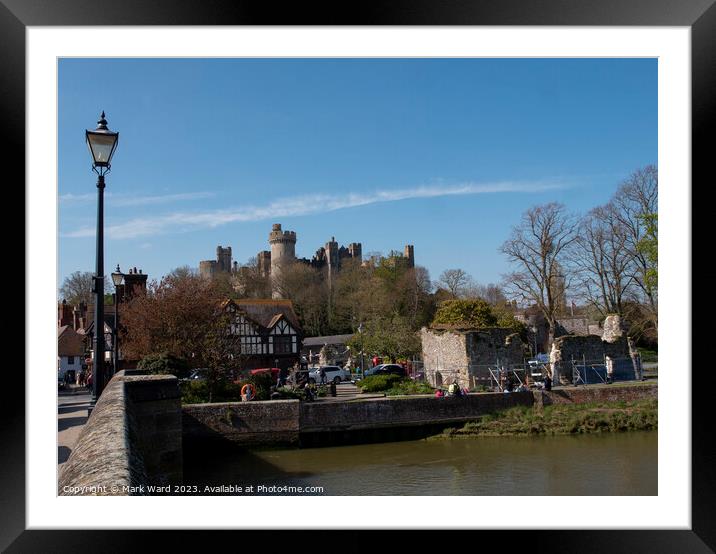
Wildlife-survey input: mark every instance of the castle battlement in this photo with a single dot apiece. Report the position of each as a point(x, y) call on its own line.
point(277, 235)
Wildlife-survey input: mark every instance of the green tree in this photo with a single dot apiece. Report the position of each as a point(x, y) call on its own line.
point(649, 247)
point(477, 313)
point(389, 337)
point(469, 313)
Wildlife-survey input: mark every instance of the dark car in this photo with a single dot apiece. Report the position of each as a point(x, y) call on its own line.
point(391, 369)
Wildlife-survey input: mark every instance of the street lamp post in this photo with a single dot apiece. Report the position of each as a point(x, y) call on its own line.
point(102, 143)
point(117, 279)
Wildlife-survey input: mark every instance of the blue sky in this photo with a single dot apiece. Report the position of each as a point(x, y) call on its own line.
point(444, 154)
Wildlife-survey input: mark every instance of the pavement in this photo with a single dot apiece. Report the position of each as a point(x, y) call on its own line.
point(72, 406)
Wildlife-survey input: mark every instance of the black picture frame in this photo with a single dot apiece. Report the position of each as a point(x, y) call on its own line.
point(699, 15)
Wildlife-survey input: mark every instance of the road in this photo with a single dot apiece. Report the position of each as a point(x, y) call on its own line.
point(71, 417)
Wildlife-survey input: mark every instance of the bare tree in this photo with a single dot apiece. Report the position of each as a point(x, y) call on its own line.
point(636, 203)
point(603, 261)
point(454, 281)
point(537, 248)
point(491, 293)
point(308, 289)
point(79, 286)
point(250, 282)
point(183, 271)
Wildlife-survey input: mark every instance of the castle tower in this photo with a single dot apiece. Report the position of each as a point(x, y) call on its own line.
point(332, 259)
point(263, 260)
point(356, 251)
point(283, 253)
point(223, 259)
point(207, 268)
point(409, 254)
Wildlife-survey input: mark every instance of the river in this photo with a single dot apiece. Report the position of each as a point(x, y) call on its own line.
point(600, 464)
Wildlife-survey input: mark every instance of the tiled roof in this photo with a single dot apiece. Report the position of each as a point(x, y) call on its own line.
point(329, 339)
point(267, 312)
point(69, 342)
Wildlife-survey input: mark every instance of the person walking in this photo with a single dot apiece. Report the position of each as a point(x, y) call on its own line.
point(323, 376)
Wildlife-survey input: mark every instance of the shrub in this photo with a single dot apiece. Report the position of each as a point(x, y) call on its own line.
point(378, 383)
point(408, 386)
point(262, 384)
point(164, 363)
point(194, 392)
point(288, 393)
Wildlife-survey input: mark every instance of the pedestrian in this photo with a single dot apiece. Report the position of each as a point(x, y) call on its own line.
point(323, 376)
point(609, 363)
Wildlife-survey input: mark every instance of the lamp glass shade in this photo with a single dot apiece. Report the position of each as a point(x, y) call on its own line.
point(117, 278)
point(102, 145)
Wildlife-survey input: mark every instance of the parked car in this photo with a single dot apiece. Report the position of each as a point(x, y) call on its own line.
point(384, 369)
point(390, 369)
point(198, 374)
point(273, 371)
point(334, 373)
point(371, 370)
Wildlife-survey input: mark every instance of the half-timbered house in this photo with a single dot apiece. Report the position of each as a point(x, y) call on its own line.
point(269, 332)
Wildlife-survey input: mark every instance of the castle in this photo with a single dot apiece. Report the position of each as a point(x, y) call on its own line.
point(272, 262)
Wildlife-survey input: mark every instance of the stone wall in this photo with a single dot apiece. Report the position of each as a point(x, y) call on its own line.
point(445, 356)
point(614, 343)
point(288, 422)
point(455, 354)
point(584, 395)
point(271, 422)
point(132, 439)
point(404, 411)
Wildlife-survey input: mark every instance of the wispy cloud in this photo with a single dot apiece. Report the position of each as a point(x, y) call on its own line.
point(126, 200)
point(300, 206)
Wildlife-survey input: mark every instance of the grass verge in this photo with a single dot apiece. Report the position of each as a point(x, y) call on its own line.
point(561, 419)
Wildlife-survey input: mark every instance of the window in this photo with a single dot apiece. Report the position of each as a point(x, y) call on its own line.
point(282, 328)
point(252, 345)
point(282, 344)
point(71, 360)
point(242, 327)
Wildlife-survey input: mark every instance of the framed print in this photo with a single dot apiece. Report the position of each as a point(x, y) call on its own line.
point(425, 150)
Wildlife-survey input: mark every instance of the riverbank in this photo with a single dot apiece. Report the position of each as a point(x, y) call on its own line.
point(560, 419)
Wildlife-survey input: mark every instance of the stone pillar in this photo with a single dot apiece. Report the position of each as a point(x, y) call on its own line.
point(613, 328)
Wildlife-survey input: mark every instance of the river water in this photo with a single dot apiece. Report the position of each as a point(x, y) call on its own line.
point(600, 464)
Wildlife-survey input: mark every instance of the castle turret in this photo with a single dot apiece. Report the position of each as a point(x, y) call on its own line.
point(263, 260)
point(283, 253)
point(207, 268)
point(409, 254)
point(356, 251)
point(223, 259)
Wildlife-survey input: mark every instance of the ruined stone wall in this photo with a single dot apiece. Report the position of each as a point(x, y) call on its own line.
point(495, 346)
point(575, 325)
point(445, 356)
point(460, 355)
